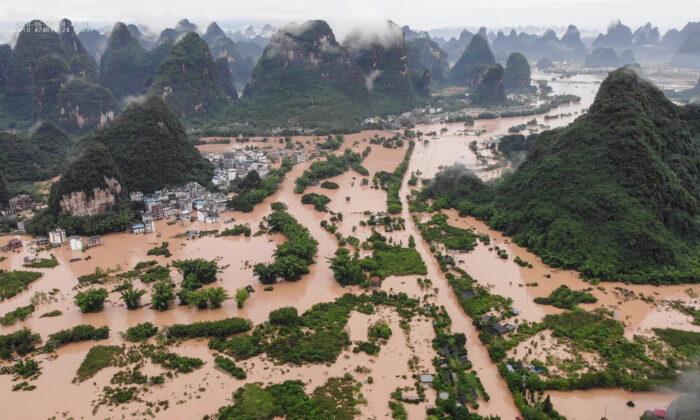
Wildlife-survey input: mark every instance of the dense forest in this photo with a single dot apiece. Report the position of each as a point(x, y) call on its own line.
point(613, 195)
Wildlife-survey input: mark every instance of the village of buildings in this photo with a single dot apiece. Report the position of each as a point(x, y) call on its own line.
point(191, 202)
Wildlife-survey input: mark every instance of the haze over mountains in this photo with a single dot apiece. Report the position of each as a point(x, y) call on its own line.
point(299, 74)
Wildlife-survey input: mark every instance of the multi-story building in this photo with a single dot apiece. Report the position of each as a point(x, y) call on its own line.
point(94, 241)
point(157, 210)
point(57, 237)
point(149, 223)
point(76, 242)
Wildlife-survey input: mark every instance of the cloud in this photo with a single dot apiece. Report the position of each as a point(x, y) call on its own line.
point(370, 78)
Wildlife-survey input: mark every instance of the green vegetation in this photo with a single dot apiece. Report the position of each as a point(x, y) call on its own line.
point(237, 230)
point(473, 63)
point(198, 89)
point(196, 272)
point(386, 260)
point(211, 297)
point(160, 250)
point(516, 76)
point(317, 336)
point(179, 364)
point(229, 366)
point(141, 332)
point(580, 199)
point(21, 342)
point(293, 257)
point(14, 282)
point(391, 181)
point(162, 296)
point(252, 190)
point(329, 185)
point(157, 273)
point(132, 297)
point(242, 295)
point(438, 230)
point(686, 342)
point(97, 358)
point(91, 300)
point(220, 329)
point(18, 314)
point(126, 68)
point(490, 88)
point(322, 169)
point(319, 201)
point(94, 169)
point(336, 399)
point(282, 91)
point(565, 298)
point(151, 149)
point(43, 263)
point(75, 334)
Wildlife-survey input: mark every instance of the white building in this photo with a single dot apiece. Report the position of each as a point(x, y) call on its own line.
point(212, 217)
point(136, 196)
point(21, 226)
point(149, 223)
point(76, 243)
point(300, 157)
point(57, 237)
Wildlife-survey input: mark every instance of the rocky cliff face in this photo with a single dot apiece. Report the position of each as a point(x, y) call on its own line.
point(80, 203)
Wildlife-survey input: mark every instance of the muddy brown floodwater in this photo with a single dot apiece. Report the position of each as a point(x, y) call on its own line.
point(205, 390)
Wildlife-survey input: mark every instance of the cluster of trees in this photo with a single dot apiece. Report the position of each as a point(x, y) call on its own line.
point(565, 298)
point(91, 300)
point(252, 190)
point(438, 230)
point(336, 399)
point(219, 329)
point(141, 332)
point(14, 282)
point(292, 257)
point(322, 169)
point(18, 314)
point(237, 230)
point(75, 334)
point(319, 201)
point(386, 260)
point(21, 342)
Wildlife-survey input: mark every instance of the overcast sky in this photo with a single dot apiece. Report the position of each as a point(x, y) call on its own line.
point(426, 14)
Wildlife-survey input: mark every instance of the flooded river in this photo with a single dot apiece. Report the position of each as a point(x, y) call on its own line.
point(201, 392)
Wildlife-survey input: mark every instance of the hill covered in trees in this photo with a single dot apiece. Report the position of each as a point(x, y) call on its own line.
point(126, 68)
point(33, 156)
point(305, 76)
point(151, 149)
point(614, 195)
point(473, 63)
point(188, 79)
point(50, 75)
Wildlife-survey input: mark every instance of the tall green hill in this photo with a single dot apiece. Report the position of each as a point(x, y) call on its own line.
point(516, 76)
point(473, 63)
point(83, 106)
point(383, 59)
point(490, 89)
point(33, 156)
point(77, 57)
point(188, 78)
point(425, 54)
point(151, 149)
point(35, 40)
point(94, 169)
point(126, 68)
point(305, 77)
point(615, 195)
point(222, 66)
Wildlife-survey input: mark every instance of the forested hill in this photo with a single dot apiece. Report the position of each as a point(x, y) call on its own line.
point(615, 194)
point(151, 149)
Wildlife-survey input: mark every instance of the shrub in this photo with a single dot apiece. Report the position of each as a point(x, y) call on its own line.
point(141, 332)
point(91, 300)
